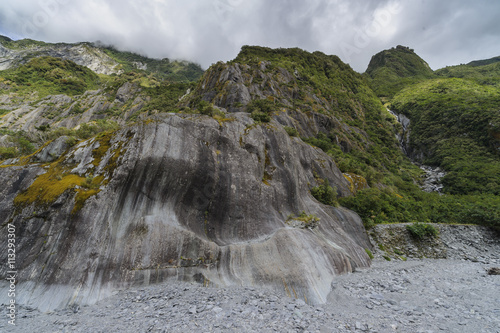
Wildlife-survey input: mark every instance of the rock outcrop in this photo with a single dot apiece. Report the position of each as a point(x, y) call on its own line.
point(83, 54)
point(457, 242)
point(65, 111)
point(184, 198)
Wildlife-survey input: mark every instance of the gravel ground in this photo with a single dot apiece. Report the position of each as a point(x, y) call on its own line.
point(428, 295)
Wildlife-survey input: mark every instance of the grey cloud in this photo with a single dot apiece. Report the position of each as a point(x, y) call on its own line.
point(442, 32)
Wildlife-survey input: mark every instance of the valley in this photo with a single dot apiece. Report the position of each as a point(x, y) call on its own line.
point(267, 171)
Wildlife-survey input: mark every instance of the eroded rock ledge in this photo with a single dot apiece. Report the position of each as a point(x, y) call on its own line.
point(184, 198)
point(459, 242)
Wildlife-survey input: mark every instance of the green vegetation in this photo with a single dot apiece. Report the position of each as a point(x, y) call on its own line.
point(369, 253)
point(58, 178)
point(484, 62)
point(291, 131)
point(165, 97)
point(8, 152)
point(454, 112)
point(487, 74)
point(381, 162)
point(325, 194)
point(164, 69)
point(49, 75)
point(24, 144)
point(324, 83)
point(261, 109)
point(391, 70)
point(260, 117)
point(367, 145)
point(456, 125)
point(308, 221)
point(376, 206)
point(20, 145)
point(22, 43)
point(422, 230)
point(369, 150)
point(48, 187)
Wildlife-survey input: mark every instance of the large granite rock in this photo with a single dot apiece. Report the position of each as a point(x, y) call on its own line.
point(181, 198)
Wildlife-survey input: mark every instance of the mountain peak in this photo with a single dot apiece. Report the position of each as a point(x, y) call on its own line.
point(401, 60)
point(391, 70)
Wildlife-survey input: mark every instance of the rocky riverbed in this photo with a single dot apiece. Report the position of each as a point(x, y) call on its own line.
point(405, 294)
point(429, 295)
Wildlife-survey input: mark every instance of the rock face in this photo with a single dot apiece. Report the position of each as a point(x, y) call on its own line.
point(65, 111)
point(432, 181)
point(458, 242)
point(83, 54)
point(183, 198)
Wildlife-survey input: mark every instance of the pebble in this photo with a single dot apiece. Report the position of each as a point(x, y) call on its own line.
point(427, 295)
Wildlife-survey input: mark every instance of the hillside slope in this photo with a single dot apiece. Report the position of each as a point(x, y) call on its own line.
point(451, 120)
point(455, 124)
point(101, 59)
point(354, 128)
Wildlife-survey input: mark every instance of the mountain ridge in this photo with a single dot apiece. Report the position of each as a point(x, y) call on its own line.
point(100, 58)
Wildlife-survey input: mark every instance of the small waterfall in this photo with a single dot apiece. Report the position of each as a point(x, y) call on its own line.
point(433, 175)
point(404, 136)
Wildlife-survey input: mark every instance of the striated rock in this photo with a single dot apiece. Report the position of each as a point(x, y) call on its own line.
point(233, 86)
point(69, 112)
point(181, 198)
point(126, 92)
point(53, 150)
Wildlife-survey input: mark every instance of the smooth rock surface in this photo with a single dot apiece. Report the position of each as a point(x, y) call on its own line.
point(183, 198)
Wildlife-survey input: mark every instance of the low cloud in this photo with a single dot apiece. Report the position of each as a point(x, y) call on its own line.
point(442, 32)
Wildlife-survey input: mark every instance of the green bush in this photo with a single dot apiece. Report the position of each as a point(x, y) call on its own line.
point(205, 108)
point(291, 131)
point(309, 221)
point(422, 230)
point(24, 145)
point(261, 105)
point(260, 117)
point(325, 194)
point(7, 152)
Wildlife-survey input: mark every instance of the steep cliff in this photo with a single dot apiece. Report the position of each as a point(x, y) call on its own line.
point(184, 198)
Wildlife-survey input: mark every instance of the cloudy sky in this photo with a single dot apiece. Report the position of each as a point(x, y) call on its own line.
point(206, 31)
